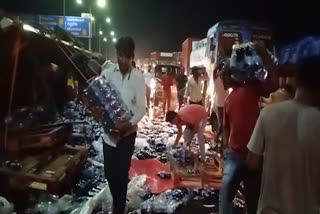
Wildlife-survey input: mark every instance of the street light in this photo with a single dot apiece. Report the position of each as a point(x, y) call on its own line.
point(112, 33)
point(108, 20)
point(79, 1)
point(100, 32)
point(101, 3)
point(105, 39)
point(114, 40)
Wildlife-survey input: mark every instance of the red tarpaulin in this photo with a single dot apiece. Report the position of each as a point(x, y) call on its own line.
point(151, 167)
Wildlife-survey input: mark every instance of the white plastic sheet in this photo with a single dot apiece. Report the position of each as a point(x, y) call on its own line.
point(136, 190)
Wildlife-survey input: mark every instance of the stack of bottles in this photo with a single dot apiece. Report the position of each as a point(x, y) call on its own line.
point(102, 94)
point(182, 156)
point(246, 65)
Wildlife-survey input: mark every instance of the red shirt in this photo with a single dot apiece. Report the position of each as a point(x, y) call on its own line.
point(166, 81)
point(191, 115)
point(241, 112)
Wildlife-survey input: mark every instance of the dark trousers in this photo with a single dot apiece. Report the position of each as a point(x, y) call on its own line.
point(234, 172)
point(196, 103)
point(166, 100)
point(181, 92)
point(220, 121)
point(117, 163)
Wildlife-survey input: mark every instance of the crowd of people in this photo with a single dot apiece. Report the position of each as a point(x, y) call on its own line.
point(270, 141)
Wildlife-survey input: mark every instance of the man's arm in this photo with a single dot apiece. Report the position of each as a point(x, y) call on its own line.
point(254, 161)
point(187, 91)
point(217, 68)
point(226, 129)
point(272, 82)
point(178, 135)
point(256, 146)
point(141, 101)
point(205, 87)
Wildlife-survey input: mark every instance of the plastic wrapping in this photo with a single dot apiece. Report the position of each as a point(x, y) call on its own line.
point(98, 146)
point(166, 202)
point(136, 191)
point(5, 206)
point(52, 204)
point(246, 64)
point(101, 93)
point(103, 200)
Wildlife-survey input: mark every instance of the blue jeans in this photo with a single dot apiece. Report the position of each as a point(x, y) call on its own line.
point(234, 172)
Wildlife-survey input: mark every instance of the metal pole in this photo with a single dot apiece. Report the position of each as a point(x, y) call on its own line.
point(99, 38)
point(89, 45)
point(108, 42)
point(64, 8)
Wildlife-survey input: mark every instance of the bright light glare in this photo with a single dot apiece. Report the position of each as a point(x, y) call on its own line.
point(114, 40)
point(92, 18)
point(105, 39)
point(29, 28)
point(79, 1)
point(153, 85)
point(108, 20)
point(112, 33)
point(100, 32)
point(101, 3)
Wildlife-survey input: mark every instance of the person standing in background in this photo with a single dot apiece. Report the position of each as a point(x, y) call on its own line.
point(181, 81)
point(285, 146)
point(148, 78)
point(166, 82)
point(194, 88)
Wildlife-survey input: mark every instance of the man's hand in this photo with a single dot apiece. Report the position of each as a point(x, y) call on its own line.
point(97, 113)
point(263, 102)
point(185, 100)
point(260, 49)
point(122, 125)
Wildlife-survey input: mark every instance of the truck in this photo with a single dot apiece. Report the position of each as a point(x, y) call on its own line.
point(217, 46)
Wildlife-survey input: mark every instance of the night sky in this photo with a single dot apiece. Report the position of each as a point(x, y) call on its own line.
point(162, 25)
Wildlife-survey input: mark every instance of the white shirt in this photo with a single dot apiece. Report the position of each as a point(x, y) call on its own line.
point(132, 89)
point(148, 77)
point(287, 135)
point(194, 90)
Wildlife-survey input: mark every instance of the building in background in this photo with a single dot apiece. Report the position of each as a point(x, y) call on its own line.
point(177, 58)
point(186, 51)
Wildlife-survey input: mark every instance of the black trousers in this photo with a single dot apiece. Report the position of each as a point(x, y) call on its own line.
point(117, 163)
point(220, 120)
point(180, 96)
